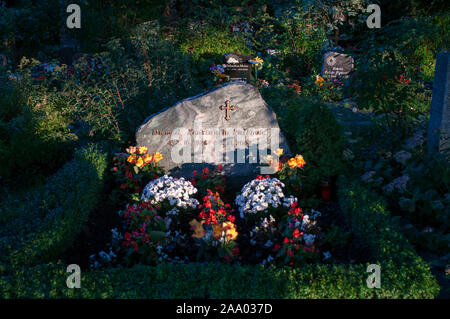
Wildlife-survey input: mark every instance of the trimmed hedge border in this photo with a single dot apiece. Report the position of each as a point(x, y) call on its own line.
point(39, 226)
point(403, 273)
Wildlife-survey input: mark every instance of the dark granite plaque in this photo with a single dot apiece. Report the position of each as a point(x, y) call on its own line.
point(237, 67)
point(336, 64)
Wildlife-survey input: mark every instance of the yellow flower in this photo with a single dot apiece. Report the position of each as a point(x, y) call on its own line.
point(280, 152)
point(142, 149)
point(197, 227)
point(300, 161)
point(148, 158)
point(157, 157)
point(292, 163)
point(131, 159)
point(230, 230)
point(140, 162)
point(131, 150)
point(258, 60)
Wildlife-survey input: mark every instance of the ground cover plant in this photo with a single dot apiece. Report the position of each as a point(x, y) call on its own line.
point(356, 186)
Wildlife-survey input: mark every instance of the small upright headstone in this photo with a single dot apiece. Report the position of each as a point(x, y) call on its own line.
point(237, 67)
point(439, 125)
point(67, 48)
point(336, 64)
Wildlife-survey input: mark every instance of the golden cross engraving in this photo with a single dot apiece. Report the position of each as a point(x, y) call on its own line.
point(227, 109)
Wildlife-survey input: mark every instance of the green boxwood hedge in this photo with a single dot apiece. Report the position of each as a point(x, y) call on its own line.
point(40, 225)
point(403, 273)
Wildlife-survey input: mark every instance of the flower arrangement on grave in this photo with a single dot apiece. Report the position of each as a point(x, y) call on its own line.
point(145, 229)
point(134, 168)
point(215, 231)
point(172, 193)
point(219, 73)
point(261, 197)
point(209, 179)
point(327, 89)
point(289, 170)
point(299, 233)
point(287, 239)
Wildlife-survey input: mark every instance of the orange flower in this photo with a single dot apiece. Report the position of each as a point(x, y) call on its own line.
point(197, 227)
point(296, 161)
point(142, 149)
point(140, 162)
point(300, 161)
point(131, 159)
point(292, 163)
point(217, 231)
point(148, 158)
point(319, 80)
point(157, 157)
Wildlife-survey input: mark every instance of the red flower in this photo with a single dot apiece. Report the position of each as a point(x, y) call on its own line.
point(123, 186)
point(235, 251)
point(290, 253)
point(205, 170)
point(286, 240)
point(219, 168)
point(296, 233)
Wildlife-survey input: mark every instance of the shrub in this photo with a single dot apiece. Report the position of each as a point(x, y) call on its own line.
point(384, 84)
point(35, 139)
point(40, 225)
point(320, 139)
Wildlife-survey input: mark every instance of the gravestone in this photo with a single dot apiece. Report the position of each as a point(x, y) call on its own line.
point(439, 125)
point(225, 126)
point(336, 64)
point(237, 67)
point(67, 49)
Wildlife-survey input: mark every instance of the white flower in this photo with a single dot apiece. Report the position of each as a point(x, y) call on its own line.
point(176, 191)
point(261, 194)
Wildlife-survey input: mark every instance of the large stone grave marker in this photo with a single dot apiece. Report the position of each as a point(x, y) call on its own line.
point(439, 125)
point(231, 125)
point(335, 64)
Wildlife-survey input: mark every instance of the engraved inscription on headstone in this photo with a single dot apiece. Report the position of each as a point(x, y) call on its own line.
point(231, 125)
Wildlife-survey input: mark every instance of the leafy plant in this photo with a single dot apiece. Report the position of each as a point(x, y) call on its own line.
point(320, 139)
